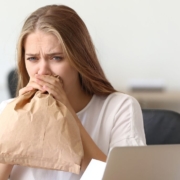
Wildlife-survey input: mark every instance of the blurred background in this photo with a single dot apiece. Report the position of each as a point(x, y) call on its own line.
point(137, 42)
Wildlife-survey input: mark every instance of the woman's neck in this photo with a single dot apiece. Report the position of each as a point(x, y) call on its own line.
point(79, 100)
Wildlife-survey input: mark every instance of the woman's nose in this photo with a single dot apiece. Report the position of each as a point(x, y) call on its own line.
point(44, 68)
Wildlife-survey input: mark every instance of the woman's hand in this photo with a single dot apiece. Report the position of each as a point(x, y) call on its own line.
point(54, 86)
point(30, 86)
point(51, 84)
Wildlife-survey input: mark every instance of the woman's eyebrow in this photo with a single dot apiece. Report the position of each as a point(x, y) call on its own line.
point(55, 53)
point(49, 54)
point(31, 54)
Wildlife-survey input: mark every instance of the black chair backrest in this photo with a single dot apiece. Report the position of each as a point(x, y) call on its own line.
point(12, 82)
point(161, 126)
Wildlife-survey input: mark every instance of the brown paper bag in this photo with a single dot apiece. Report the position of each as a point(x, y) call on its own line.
point(38, 131)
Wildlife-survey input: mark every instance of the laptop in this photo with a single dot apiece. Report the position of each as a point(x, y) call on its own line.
point(153, 162)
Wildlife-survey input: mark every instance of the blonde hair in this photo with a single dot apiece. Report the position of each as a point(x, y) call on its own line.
point(69, 28)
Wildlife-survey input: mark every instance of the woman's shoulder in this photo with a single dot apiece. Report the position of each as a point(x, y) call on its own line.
point(118, 103)
point(4, 103)
point(121, 98)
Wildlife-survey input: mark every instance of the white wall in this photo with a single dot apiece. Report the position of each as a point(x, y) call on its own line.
point(134, 38)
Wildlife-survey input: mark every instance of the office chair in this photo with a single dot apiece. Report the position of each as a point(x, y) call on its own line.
point(161, 126)
point(12, 80)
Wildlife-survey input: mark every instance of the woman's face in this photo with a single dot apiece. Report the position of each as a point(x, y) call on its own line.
point(44, 55)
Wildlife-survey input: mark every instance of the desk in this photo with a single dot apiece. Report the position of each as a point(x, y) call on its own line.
point(169, 100)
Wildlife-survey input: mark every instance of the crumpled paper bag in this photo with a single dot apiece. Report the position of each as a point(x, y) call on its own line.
point(38, 131)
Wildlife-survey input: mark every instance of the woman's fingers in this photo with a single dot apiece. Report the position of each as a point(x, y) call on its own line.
point(24, 90)
point(46, 79)
point(55, 92)
point(49, 81)
point(52, 85)
point(55, 89)
point(35, 85)
point(30, 86)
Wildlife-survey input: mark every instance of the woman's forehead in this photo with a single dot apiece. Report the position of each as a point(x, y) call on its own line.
point(43, 40)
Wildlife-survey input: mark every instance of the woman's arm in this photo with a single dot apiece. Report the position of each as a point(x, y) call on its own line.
point(5, 170)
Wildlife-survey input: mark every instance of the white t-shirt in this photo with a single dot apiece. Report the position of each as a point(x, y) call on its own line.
point(115, 120)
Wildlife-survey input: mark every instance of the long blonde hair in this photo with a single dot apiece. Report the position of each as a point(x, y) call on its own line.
point(68, 27)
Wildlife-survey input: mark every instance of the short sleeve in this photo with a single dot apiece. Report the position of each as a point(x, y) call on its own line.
point(3, 104)
point(128, 127)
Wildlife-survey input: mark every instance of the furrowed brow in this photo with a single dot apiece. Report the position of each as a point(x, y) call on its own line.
point(55, 53)
point(31, 54)
point(49, 54)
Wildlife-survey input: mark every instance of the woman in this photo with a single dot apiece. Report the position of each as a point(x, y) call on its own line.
point(55, 41)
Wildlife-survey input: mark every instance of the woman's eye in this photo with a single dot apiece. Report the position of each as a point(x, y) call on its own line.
point(58, 58)
point(31, 58)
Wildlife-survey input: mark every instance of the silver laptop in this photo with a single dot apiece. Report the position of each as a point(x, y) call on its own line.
point(155, 162)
